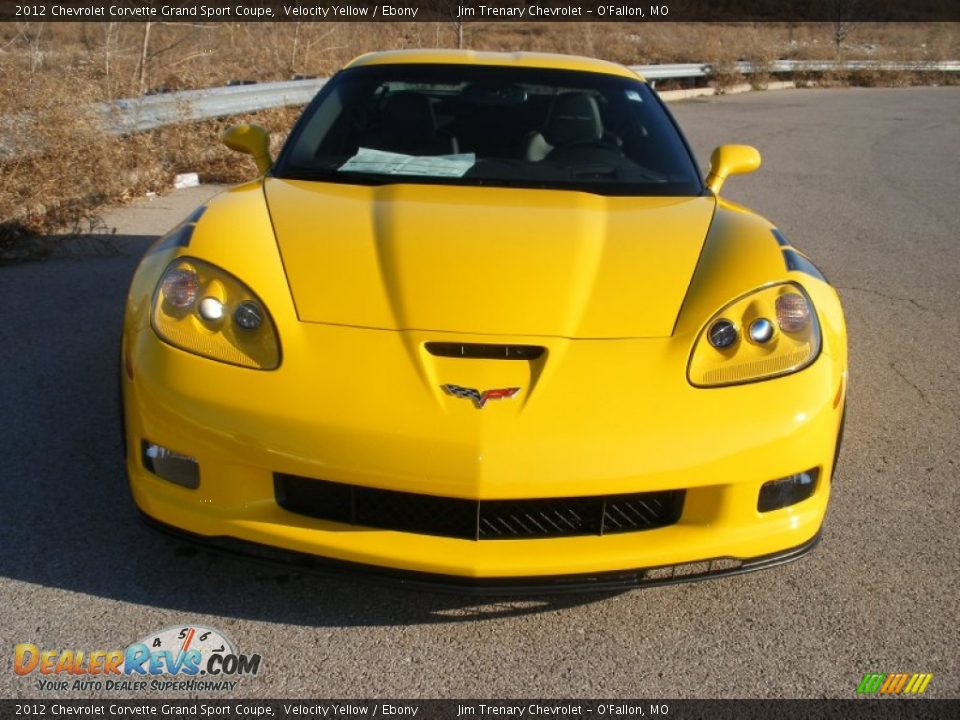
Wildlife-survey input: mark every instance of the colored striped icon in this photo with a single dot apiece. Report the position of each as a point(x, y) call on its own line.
point(894, 683)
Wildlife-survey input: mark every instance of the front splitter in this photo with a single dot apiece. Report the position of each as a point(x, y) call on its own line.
point(606, 582)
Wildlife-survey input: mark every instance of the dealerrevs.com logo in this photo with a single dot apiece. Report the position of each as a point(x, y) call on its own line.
point(191, 658)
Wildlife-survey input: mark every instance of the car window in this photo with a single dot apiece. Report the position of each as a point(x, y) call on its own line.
point(499, 126)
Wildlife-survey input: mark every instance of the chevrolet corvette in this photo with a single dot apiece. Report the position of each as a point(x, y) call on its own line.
point(482, 324)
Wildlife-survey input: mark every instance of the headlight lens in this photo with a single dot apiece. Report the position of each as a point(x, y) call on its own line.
point(204, 310)
point(761, 330)
point(781, 336)
point(248, 315)
point(722, 333)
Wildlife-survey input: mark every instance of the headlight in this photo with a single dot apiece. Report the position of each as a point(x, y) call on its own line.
point(764, 334)
point(204, 310)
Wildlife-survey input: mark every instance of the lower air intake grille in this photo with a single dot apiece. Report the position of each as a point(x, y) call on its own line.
point(477, 520)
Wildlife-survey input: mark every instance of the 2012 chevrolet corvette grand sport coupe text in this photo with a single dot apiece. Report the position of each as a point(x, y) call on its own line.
point(482, 324)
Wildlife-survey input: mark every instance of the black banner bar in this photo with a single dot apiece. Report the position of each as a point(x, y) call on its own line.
point(865, 709)
point(480, 11)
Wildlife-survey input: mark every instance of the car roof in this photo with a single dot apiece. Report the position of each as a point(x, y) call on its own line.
point(553, 61)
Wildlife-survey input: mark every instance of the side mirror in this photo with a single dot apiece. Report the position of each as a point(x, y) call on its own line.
point(251, 140)
point(729, 160)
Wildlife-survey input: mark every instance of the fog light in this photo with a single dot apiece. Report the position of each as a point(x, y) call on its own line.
point(786, 491)
point(173, 467)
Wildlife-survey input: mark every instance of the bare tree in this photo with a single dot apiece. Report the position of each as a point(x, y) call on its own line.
point(109, 38)
point(458, 24)
point(31, 33)
point(144, 57)
point(311, 45)
point(843, 15)
point(458, 14)
point(147, 55)
point(294, 46)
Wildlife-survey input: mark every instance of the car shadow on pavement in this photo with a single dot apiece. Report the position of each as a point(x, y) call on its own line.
point(66, 517)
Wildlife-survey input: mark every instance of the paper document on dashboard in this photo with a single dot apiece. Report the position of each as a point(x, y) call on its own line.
point(380, 162)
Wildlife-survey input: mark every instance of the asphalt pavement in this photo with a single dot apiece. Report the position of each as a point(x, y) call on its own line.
point(863, 180)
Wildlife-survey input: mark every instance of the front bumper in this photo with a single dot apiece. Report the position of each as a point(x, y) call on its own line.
point(331, 412)
point(613, 581)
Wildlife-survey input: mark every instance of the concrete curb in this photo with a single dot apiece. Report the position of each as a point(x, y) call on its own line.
point(677, 95)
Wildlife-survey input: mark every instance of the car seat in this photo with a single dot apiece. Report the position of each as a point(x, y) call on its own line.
point(408, 125)
point(573, 118)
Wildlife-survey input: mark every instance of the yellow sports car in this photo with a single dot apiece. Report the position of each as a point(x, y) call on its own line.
point(482, 324)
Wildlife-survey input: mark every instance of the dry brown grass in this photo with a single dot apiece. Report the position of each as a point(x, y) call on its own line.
point(50, 73)
point(106, 55)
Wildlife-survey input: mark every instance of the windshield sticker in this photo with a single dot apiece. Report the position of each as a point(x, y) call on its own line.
point(634, 96)
point(379, 162)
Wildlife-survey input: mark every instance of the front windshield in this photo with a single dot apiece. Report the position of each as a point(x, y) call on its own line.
point(497, 126)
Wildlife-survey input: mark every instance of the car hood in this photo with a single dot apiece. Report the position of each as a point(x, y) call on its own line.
point(487, 260)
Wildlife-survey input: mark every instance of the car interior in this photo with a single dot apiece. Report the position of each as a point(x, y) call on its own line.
point(509, 132)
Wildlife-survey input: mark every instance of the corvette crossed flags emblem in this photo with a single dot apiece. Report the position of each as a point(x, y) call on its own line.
point(480, 398)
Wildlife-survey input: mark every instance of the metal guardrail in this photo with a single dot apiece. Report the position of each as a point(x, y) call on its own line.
point(701, 70)
point(795, 66)
point(123, 117)
point(147, 113)
point(677, 71)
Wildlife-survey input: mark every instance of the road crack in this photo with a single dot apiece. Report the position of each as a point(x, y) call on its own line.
point(923, 396)
point(908, 381)
point(887, 296)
